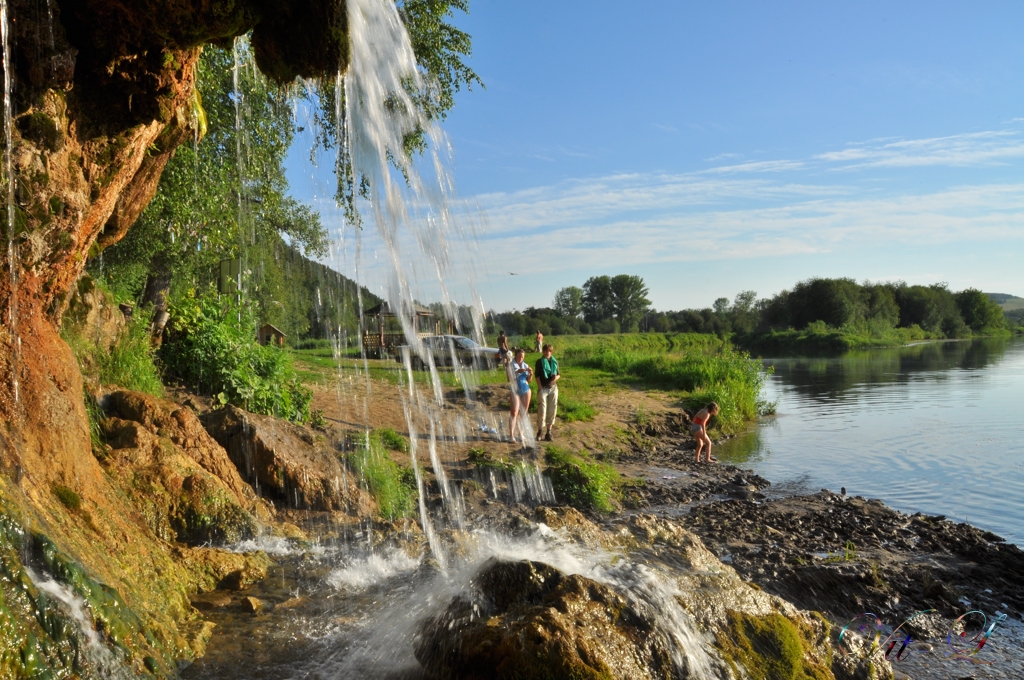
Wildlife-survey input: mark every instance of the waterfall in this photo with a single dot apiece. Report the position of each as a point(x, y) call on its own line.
point(8, 164)
point(99, 660)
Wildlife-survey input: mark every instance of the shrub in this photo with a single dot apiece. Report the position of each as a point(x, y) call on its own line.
point(733, 379)
point(393, 486)
point(211, 346)
point(391, 440)
point(581, 482)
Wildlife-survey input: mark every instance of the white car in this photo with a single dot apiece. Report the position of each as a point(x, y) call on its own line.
point(447, 349)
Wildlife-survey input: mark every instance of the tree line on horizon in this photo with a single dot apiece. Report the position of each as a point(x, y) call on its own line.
point(613, 304)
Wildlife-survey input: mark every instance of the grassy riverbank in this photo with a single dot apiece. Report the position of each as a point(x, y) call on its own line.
point(821, 339)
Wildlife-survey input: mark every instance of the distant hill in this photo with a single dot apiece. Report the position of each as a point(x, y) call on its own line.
point(1006, 301)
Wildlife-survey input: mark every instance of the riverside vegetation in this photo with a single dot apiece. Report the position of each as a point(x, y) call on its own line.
point(817, 315)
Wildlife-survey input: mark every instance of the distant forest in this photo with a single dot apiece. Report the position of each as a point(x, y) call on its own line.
point(620, 304)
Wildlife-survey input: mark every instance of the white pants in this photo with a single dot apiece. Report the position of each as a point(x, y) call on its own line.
point(547, 406)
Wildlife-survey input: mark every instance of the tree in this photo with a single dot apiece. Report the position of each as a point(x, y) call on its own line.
point(744, 312)
point(598, 299)
point(223, 197)
point(569, 302)
point(979, 311)
point(629, 300)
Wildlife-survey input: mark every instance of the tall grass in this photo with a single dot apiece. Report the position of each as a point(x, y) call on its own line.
point(732, 379)
point(129, 363)
point(582, 482)
point(393, 486)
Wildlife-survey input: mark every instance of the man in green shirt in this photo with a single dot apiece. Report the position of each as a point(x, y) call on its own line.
point(547, 374)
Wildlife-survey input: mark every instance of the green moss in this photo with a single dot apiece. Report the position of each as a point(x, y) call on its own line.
point(771, 647)
point(68, 497)
point(40, 129)
point(581, 481)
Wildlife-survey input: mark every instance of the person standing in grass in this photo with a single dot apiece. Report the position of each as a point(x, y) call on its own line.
point(503, 344)
point(547, 374)
point(521, 374)
point(538, 341)
point(699, 429)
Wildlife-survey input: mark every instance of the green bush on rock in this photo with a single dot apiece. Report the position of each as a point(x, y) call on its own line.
point(211, 346)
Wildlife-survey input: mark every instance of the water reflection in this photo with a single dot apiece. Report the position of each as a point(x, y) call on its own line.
point(934, 427)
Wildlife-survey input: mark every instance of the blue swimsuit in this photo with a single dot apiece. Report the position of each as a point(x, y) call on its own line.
point(522, 379)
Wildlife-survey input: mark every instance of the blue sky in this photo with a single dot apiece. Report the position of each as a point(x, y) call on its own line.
point(718, 147)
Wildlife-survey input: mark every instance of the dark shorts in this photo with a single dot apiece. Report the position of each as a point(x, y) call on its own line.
point(696, 429)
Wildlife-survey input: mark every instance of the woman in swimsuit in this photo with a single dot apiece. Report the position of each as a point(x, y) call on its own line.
point(522, 374)
point(699, 428)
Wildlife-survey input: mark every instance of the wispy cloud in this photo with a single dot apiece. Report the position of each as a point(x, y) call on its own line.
point(971, 149)
point(738, 210)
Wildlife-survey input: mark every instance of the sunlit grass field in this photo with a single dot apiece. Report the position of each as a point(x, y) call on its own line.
point(694, 368)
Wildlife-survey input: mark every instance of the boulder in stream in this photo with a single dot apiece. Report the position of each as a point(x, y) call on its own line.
point(532, 620)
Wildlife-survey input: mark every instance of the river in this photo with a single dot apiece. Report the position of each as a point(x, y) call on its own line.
point(934, 428)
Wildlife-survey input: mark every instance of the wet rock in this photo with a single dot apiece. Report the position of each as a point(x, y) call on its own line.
point(573, 523)
point(178, 476)
point(529, 619)
point(252, 605)
point(214, 600)
point(286, 462)
point(210, 568)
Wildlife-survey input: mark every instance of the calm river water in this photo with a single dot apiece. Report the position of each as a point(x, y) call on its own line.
point(936, 428)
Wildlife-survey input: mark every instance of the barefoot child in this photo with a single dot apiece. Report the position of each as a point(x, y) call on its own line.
point(699, 429)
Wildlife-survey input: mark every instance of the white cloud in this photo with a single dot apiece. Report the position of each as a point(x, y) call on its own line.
point(741, 211)
point(970, 149)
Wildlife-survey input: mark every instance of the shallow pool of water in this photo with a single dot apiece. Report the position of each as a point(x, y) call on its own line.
point(936, 428)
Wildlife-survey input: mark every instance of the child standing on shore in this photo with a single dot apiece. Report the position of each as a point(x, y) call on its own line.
point(699, 429)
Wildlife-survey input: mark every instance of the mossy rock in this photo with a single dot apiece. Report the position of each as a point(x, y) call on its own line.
point(529, 620)
point(773, 647)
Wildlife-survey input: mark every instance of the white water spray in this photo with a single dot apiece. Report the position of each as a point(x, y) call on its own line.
point(99, 659)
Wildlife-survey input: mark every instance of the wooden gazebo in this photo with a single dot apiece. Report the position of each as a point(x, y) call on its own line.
point(382, 328)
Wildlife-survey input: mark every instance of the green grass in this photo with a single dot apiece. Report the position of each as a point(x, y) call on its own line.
point(320, 365)
point(129, 363)
point(582, 482)
point(392, 486)
point(708, 373)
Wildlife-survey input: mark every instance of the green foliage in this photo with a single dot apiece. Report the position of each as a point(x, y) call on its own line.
point(317, 421)
point(569, 302)
point(211, 346)
point(391, 440)
point(979, 312)
point(582, 482)
point(129, 363)
point(68, 497)
point(393, 486)
point(732, 379)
